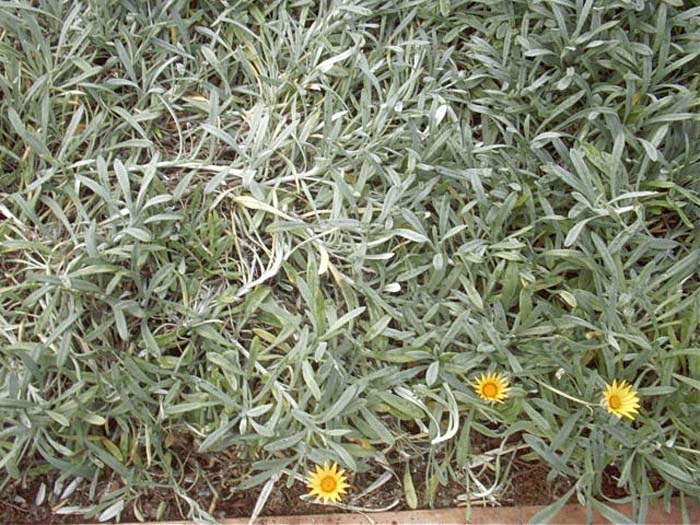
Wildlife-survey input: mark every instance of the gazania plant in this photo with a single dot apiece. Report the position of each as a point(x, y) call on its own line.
point(327, 483)
point(621, 400)
point(374, 232)
point(492, 387)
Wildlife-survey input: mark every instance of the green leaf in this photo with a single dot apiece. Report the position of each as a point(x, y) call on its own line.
point(342, 321)
point(408, 489)
point(548, 513)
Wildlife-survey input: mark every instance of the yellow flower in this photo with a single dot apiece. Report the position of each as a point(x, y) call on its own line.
point(621, 400)
point(327, 483)
point(492, 387)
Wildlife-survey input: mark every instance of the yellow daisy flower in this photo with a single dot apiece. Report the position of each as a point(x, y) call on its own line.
point(492, 387)
point(327, 483)
point(621, 400)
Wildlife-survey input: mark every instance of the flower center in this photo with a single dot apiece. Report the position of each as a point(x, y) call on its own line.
point(614, 402)
point(490, 390)
point(328, 484)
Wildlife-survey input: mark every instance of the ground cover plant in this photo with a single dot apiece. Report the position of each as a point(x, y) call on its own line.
point(279, 234)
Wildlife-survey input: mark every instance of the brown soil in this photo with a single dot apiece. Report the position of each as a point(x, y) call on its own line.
point(528, 486)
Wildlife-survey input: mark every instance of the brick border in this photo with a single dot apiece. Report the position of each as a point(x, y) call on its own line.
point(569, 515)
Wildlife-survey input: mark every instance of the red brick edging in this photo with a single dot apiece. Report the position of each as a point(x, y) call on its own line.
point(569, 515)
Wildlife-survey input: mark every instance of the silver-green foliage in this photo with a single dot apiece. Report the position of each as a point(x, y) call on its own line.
point(293, 230)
